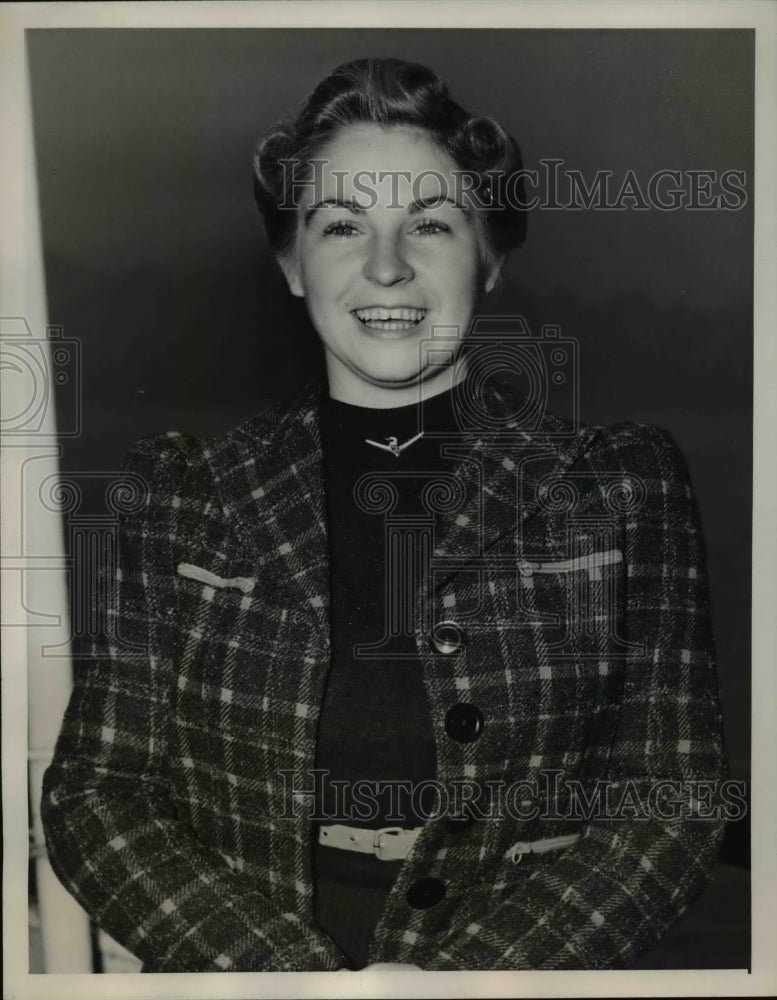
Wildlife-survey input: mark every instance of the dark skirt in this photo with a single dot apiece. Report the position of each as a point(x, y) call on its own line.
point(349, 914)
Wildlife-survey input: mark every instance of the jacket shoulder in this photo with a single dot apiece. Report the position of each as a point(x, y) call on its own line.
point(258, 430)
point(641, 449)
point(169, 467)
point(636, 447)
point(169, 448)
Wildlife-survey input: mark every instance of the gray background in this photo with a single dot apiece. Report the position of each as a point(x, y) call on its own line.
point(156, 262)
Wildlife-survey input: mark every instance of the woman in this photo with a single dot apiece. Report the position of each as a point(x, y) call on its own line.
point(410, 671)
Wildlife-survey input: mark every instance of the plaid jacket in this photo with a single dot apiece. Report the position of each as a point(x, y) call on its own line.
point(573, 565)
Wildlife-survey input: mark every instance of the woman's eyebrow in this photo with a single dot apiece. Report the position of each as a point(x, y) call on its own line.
point(347, 203)
point(419, 204)
point(351, 205)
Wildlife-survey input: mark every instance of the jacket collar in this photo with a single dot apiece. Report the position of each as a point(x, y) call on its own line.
point(269, 473)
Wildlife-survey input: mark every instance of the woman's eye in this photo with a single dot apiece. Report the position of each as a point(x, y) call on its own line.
point(341, 228)
point(428, 227)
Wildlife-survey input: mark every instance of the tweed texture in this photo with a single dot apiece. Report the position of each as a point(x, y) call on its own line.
point(175, 808)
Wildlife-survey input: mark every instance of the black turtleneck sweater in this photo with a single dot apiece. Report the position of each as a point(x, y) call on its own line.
point(375, 724)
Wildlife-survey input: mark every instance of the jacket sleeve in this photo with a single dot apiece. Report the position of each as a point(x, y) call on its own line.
point(613, 894)
point(111, 828)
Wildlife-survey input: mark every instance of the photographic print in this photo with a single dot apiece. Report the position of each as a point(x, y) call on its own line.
point(382, 479)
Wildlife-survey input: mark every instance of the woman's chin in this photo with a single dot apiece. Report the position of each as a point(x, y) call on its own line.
point(391, 375)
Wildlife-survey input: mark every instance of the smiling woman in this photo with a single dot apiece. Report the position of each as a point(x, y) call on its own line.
point(378, 280)
point(409, 672)
point(377, 218)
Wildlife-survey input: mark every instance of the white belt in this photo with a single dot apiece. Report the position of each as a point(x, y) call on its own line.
point(389, 843)
point(394, 843)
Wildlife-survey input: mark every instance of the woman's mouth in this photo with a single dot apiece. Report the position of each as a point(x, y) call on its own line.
point(390, 318)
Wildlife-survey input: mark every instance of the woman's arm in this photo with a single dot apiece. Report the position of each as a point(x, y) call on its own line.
point(621, 887)
point(111, 827)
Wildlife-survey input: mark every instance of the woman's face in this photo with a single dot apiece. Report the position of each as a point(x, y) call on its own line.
point(388, 249)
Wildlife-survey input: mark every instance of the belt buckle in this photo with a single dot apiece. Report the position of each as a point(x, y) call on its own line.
point(383, 851)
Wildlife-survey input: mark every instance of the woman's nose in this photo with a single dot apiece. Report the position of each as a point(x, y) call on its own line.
point(386, 263)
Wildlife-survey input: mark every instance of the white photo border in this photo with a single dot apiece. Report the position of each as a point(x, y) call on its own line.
point(16, 245)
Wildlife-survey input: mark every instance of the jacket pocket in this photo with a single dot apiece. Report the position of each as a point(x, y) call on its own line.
point(569, 674)
point(591, 563)
point(516, 851)
point(241, 656)
point(577, 605)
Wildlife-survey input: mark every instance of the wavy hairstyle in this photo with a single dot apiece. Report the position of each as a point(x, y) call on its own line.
point(392, 92)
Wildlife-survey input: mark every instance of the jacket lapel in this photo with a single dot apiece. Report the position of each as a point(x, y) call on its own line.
point(270, 479)
point(500, 473)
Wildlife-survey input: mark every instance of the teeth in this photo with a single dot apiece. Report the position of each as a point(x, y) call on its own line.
point(379, 313)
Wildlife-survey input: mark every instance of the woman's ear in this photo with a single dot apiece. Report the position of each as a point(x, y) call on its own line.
point(289, 264)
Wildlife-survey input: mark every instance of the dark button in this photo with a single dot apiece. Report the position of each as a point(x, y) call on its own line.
point(447, 638)
point(425, 892)
point(464, 722)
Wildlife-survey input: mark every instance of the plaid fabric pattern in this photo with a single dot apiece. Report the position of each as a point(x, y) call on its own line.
point(574, 565)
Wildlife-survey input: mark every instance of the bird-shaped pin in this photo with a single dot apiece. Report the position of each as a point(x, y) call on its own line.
point(393, 444)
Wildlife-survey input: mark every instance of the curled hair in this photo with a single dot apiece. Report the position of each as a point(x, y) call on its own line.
point(393, 92)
